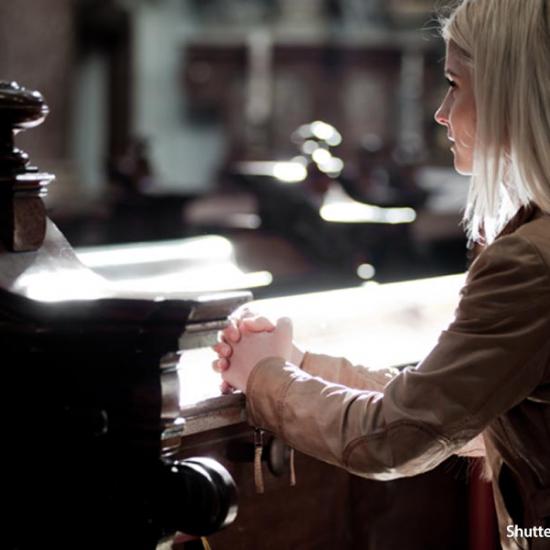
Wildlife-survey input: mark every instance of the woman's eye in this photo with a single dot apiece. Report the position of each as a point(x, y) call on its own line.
point(451, 83)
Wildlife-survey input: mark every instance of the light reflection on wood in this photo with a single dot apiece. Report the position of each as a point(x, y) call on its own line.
point(375, 325)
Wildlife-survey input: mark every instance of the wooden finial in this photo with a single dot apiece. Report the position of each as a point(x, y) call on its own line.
point(22, 212)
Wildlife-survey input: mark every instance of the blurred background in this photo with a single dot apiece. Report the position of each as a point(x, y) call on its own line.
point(277, 145)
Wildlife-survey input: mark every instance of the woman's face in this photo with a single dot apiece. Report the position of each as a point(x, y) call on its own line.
point(458, 111)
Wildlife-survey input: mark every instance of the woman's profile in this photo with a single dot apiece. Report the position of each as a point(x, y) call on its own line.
point(485, 387)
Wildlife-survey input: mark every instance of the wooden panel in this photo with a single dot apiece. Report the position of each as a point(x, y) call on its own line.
point(328, 508)
point(424, 512)
point(312, 515)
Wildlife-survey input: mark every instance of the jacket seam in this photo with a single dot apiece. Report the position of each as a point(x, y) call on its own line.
point(352, 445)
point(251, 381)
point(280, 407)
point(545, 266)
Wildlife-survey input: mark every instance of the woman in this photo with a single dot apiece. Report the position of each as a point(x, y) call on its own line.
point(489, 373)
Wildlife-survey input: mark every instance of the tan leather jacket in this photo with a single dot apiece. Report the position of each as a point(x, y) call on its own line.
point(489, 373)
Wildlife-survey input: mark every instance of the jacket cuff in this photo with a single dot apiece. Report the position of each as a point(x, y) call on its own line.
point(306, 359)
point(265, 392)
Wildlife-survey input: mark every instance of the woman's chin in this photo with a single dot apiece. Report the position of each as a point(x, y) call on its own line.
point(462, 167)
point(463, 171)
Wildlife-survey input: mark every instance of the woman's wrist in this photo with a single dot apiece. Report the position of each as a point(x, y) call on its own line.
point(296, 356)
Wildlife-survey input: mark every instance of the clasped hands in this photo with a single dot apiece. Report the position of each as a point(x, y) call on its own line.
point(247, 340)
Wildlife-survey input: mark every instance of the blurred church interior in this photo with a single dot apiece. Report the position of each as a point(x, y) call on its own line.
point(300, 134)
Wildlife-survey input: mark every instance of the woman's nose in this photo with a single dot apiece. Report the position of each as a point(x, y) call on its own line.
point(442, 114)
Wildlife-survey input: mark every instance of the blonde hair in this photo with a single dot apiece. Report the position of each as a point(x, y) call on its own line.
point(507, 45)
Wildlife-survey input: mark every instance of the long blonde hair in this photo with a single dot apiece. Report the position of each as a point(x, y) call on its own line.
point(507, 45)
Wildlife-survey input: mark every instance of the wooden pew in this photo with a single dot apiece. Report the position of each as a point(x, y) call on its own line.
point(87, 376)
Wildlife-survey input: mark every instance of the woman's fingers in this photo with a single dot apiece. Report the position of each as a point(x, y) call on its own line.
point(257, 324)
point(231, 339)
point(241, 313)
point(222, 349)
point(247, 322)
point(220, 365)
point(284, 324)
point(226, 387)
point(283, 334)
point(231, 332)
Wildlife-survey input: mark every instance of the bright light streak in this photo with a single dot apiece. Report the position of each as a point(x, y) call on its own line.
point(364, 324)
point(356, 212)
point(290, 172)
point(211, 248)
point(62, 285)
point(192, 281)
point(400, 215)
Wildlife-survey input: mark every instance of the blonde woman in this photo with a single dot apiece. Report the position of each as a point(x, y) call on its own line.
point(488, 378)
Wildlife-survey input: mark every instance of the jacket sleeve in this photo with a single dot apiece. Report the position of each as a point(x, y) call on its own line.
point(488, 360)
point(341, 371)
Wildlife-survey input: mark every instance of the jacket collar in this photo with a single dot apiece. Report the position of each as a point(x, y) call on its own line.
point(524, 215)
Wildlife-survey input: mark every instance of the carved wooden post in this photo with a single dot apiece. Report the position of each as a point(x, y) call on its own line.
point(22, 186)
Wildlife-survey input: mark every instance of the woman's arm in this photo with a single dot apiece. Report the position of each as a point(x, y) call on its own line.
point(337, 370)
point(340, 371)
point(491, 357)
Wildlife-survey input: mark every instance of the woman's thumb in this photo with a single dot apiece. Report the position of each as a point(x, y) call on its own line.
point(284, 331)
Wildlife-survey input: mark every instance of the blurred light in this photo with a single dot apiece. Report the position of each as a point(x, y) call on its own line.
point(63, 285)
point(200, 248)
point(412, 313)
point(245, 221)
point(335, 140)
point(309, 147)
point(302, 133)
point(356, 212)
point(333, 166)
point(366, 271)
point(326, 132)
point(318, 130)
point(221, 277)
point(321, 156)
point(372, 142)
point(300, 160)
point(290, 172)
point(400, 215)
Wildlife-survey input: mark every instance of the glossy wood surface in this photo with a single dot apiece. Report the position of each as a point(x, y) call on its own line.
point(376, 325)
